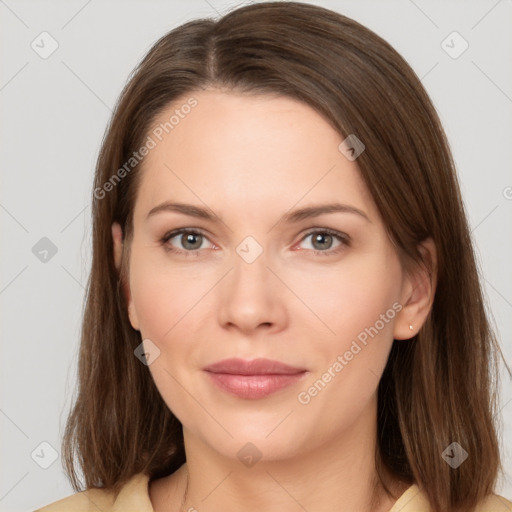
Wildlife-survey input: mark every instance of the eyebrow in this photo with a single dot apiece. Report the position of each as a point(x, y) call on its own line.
point(290, 217)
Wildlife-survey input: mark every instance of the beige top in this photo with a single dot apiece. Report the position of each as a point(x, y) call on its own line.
point(134, 497)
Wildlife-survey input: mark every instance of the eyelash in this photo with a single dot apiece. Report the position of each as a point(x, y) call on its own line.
point(342, 237)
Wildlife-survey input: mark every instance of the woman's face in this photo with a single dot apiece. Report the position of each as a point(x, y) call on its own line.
point(256, 281)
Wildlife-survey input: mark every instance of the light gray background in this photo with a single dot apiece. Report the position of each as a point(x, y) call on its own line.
point(54, 113)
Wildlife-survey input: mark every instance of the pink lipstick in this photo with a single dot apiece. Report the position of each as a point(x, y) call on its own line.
point(253, 379)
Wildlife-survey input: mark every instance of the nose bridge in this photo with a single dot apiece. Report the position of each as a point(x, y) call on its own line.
point(250, 250)
point(249, 295)
point(250, 276)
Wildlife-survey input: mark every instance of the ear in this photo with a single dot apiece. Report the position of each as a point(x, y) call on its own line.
point(117, 238)
point(417, 296)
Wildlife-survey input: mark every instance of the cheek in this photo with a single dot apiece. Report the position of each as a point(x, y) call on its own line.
point(155, 305)
point(344, 300)
point(349, 364)
point(164, 303)
point(164, 296)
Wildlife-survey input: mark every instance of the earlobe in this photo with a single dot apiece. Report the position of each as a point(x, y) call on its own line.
point(417, 294)
point(117, 238)
point(132, 315)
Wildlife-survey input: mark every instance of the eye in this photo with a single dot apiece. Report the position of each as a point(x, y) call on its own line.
point(191, 241)
point(322, 241)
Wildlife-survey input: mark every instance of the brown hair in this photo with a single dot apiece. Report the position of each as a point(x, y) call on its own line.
point(119, 424)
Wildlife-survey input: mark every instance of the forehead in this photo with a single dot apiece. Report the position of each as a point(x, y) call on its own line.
point(247, 151)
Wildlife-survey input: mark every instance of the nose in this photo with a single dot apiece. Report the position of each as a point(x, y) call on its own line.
point(252, 297)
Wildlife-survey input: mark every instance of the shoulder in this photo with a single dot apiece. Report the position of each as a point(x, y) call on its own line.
point(494, 503)
point(414, 500)
point(85, 501)
point(134, 496)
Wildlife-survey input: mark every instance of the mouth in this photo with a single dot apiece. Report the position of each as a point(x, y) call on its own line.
point(254, 379)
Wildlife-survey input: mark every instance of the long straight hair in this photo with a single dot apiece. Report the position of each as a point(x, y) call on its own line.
point(119, 424)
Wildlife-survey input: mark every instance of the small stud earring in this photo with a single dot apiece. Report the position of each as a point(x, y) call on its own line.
point(411, 327)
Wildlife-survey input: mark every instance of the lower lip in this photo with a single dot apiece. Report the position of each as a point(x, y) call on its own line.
point(253, 386)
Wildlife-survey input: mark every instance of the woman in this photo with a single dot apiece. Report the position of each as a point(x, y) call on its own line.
point(228, 360)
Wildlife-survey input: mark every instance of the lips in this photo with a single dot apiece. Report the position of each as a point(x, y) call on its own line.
point(254, 367)
point(254, 379)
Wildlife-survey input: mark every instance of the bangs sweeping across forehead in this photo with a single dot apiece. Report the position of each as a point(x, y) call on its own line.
point(119, 424)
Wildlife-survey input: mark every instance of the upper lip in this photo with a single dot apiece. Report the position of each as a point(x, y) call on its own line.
point(253, 367)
